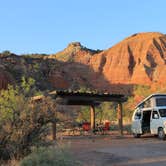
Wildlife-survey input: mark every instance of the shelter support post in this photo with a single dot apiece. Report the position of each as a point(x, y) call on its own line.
point(54, 130)
point(120, 118)
point(92, 117)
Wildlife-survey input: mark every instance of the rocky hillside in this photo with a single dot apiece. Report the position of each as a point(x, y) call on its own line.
point(138, 59)
point(75, 52)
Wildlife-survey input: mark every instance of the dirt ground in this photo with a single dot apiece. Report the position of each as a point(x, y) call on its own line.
point(113, 150)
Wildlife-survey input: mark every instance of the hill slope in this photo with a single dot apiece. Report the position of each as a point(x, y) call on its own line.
point(138, 59)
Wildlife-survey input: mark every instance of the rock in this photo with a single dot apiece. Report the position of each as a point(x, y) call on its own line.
point(139, 59)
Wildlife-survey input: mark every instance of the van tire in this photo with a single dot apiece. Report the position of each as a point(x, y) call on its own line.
point(161, 134)
point(136, 135)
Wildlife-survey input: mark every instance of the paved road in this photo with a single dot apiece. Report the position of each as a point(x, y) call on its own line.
point(115, 151)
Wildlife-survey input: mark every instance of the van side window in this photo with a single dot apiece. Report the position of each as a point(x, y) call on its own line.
point(155, 115)
point(162, 112)
point(161, 102)
point(147, 104)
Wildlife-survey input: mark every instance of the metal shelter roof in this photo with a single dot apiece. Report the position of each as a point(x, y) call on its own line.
point(83, 98)
point(86, 98)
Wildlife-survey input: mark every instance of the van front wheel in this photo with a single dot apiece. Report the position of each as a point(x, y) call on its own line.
point(136, 135)
point(161, 134)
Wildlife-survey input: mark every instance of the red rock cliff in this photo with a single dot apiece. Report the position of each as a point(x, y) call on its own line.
point(139, 59)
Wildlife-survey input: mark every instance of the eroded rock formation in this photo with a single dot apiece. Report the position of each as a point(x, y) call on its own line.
point(138, 59)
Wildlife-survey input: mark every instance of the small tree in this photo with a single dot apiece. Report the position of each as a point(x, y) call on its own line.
point(28, 86)
point(6, 53)
point(22, 122)
point(139, 93)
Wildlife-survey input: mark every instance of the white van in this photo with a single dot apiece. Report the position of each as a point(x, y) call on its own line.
point(150, 116)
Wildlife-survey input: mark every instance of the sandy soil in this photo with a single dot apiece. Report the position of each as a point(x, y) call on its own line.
point(113, 150)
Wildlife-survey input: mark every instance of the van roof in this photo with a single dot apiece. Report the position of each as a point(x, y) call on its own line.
point(153, 95)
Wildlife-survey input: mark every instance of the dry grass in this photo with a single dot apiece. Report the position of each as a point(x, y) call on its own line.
point(12, 162)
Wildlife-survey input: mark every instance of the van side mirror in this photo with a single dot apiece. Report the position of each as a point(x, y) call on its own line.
point(156, 116)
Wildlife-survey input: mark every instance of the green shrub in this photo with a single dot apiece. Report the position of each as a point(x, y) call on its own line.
point(23, 122)
point(127, 128)
point(49, 157)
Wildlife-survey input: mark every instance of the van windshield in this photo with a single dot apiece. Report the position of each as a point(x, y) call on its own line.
point(162, 112)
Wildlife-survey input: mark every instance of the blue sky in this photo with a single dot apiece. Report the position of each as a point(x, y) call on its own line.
point(47, 26)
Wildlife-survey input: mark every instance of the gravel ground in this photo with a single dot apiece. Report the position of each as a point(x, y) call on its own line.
point(113, 150)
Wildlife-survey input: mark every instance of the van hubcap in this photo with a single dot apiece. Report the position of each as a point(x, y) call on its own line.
point(161, 134)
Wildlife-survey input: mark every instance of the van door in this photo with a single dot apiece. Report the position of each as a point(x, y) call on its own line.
point(154, 123)
point(146, 121)
point(137, 123)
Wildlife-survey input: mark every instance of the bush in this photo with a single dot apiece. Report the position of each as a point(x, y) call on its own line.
point(49, 157)
point(23, 123)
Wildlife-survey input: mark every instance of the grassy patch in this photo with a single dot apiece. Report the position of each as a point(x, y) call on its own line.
point(49, 157)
